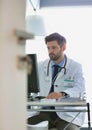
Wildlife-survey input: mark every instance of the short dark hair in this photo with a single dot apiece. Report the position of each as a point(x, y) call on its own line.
point(55, 37)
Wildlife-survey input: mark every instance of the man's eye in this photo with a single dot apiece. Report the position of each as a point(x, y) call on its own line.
point(53, 47)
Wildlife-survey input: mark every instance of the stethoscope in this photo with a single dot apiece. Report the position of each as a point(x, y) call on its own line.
point(64, 66)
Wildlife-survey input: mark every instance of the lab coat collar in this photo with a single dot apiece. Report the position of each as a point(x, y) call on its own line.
point(50, 72)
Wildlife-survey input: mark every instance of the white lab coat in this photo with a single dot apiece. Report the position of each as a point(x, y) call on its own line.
point(72, 83)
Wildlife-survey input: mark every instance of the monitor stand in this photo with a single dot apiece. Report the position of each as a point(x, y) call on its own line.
point(35, 97)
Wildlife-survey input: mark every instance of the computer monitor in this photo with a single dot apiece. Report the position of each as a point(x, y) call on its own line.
point(32, 75)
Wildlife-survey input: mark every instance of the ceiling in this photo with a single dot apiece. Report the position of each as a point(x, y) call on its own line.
point(53, 3)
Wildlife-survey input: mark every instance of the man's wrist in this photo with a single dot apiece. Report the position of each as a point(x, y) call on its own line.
point(64, 94)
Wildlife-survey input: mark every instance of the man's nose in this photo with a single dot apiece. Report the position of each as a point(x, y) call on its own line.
point(50, 50)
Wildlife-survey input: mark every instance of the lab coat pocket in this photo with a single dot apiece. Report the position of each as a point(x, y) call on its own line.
point(68, 83)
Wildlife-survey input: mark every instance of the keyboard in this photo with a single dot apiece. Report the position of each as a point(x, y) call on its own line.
point(48, 100)
point(71, 99)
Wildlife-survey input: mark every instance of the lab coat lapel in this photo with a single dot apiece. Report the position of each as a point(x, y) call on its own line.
point(61, 74)
point(49, 73)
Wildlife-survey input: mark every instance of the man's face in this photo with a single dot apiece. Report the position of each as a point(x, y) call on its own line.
point(55, 50)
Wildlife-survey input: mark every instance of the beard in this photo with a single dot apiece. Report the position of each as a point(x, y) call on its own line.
point(54, 57)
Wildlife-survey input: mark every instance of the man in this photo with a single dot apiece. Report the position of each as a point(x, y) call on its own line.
point(68, 81)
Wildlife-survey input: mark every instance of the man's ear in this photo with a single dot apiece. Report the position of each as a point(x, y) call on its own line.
point(64, 47)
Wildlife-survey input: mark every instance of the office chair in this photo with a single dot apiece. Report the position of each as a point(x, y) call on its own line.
point(40, 126)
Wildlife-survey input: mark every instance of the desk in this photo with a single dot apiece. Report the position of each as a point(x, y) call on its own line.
point(82, 105)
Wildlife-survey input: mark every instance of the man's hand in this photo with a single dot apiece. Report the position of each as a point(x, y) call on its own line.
point(54, 95)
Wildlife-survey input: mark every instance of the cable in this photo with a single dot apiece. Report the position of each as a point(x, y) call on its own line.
point(34, 7)
point(71, 121)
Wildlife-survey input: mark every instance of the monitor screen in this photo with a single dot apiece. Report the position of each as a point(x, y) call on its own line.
point(32, 75)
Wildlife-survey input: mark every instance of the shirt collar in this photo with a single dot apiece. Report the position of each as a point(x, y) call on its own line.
point(60, 64)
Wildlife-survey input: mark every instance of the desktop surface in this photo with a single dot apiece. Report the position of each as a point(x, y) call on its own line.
point(59, 102)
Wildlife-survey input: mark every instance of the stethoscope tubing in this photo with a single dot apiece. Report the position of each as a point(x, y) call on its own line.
point(64, 67)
